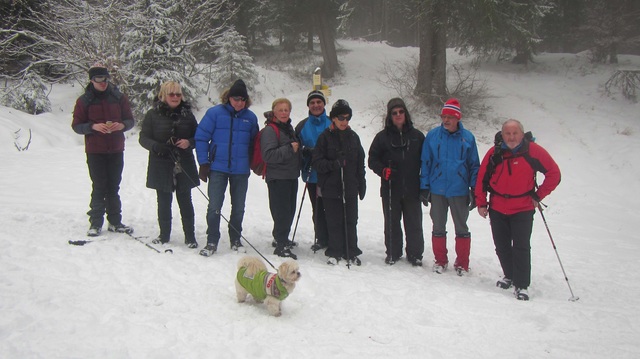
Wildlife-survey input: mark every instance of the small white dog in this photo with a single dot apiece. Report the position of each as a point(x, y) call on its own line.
point(253, 278)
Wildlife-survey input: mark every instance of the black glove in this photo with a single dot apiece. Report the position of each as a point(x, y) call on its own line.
point(204, 171)
point(362, 190)
point(307, 151)
point(472, 199)
point(161, 149)
point(339, 163)
point(425, 197)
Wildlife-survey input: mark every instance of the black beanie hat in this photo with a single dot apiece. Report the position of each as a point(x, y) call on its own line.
point(238, 89)
point(316, 94)
point(98, 71)
point(341, 107)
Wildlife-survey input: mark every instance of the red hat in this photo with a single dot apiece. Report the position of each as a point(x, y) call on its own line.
point(452, 108)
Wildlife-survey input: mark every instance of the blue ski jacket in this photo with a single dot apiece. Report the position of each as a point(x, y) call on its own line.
point(450, 162)
point(308, 131)
point(224, 139)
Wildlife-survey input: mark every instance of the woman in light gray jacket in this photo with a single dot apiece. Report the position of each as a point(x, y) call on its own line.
point(279, 146)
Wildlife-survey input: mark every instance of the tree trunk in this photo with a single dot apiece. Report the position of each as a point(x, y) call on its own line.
point(431, 83)
point(327, 44)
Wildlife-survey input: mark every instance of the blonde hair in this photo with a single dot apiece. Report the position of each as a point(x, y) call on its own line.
point(168, 87)
point(279, 101)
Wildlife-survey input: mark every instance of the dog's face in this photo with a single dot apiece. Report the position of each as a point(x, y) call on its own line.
point(289, 271)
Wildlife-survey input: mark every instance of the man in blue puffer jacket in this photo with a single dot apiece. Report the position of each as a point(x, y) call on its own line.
point(224, 141)
point(308, 131)
point(450, 166)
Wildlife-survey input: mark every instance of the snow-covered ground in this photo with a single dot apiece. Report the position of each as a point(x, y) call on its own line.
point(119, 299)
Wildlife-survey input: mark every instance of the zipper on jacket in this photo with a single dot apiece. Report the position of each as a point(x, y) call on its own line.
point(230, 141)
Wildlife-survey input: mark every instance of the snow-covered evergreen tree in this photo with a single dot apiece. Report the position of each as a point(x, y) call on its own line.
point(28, 95)
point(233, 62)
point(154, 52)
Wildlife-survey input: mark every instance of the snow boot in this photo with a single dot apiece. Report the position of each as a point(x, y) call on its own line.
point(120, 228)
point(209, 250)
point(463, 249)
point(284, 252)
point(504, 283)
point(94, 231)
point(439, 245)
point(521, 294)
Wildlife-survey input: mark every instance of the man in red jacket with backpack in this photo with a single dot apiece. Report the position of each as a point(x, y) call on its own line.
point(508, 172)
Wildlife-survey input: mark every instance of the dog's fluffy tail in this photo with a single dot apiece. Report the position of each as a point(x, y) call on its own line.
point(253, 265)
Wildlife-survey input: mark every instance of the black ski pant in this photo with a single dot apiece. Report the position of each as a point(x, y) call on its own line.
point(512, 238)
point(105, 171)
point(187, 214)
point(282, 203)
point(409, 210)
point(335, 213)
point(319, 217)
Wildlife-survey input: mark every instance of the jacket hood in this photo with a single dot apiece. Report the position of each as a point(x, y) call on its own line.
point(397, 103)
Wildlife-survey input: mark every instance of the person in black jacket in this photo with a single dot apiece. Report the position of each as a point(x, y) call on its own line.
point(167, 132)
point(394, 155)
point(339, 159)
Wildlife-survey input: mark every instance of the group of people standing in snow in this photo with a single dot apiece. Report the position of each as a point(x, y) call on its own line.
point(441, 170)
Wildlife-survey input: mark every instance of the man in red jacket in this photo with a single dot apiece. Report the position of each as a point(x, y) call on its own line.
point(102, 114)
point(508, 173)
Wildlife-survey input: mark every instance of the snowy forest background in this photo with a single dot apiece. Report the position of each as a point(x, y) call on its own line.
point(207, 44)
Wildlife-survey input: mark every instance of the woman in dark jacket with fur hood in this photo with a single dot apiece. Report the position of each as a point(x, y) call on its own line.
point(167, 132)
point(394, 155)
point(339, 159)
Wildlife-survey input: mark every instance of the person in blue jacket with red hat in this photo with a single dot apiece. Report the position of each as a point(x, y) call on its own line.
point(449, 170)
point(224, 140)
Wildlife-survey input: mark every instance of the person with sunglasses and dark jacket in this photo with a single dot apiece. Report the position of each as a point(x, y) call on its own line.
point(224, 142)
point(394, 155)
point(167, 132)
point(102, 114)
point(339, 159)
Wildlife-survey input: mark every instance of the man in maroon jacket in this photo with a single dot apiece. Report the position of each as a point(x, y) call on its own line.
point(102, 114)
point(508, 173)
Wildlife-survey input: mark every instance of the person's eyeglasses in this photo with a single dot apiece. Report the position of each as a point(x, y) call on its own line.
point(396, 113)
point(173, 94)
point(239, 98)
point(344, 118)
point(99, 79)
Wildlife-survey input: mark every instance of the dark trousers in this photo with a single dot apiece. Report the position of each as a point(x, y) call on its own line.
point(187, 213)
point(512, 238)
point(409, 210)
point(105, 171)
point(335, 213)
point(282, 203)
point(319, 217)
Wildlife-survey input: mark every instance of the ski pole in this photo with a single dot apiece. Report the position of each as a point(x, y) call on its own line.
point(241, 236)
point(344, 212)
point(218, 212)
point(389, 228)
point(573, 297)
point(137, 238)
point(295, 228)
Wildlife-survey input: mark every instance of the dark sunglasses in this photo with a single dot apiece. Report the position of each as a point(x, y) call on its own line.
point(239, 98)
point(396, 113)
point(174, 94)
point(99, 79)
point(344, 118)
